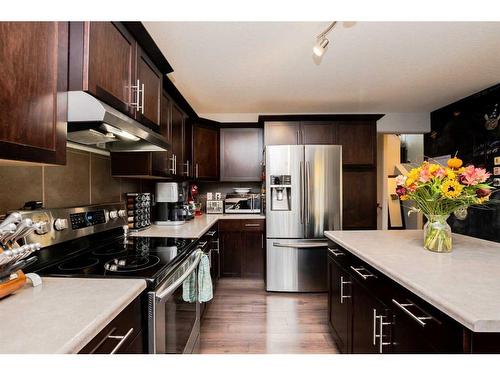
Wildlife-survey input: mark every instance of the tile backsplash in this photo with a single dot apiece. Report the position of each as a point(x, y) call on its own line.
point(85, 179)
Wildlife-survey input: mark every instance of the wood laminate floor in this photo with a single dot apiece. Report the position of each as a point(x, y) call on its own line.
point(243, 318)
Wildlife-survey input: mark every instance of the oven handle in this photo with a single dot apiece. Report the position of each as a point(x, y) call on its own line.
point(161, 296)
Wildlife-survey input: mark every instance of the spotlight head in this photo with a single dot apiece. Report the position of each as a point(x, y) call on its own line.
point(320, 46)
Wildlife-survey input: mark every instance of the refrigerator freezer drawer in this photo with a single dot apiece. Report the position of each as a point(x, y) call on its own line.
point(296, 265)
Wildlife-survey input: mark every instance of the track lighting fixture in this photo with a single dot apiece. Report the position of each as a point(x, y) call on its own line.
point(322, 41)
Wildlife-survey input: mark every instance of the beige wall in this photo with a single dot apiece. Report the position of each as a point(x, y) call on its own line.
point(85, 179)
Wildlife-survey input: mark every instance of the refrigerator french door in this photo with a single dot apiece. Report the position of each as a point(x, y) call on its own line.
point(304, 192)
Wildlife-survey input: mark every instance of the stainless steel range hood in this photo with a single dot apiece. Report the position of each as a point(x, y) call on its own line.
point(94, 123)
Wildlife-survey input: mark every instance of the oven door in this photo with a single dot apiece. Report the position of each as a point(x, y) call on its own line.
point(174, 311)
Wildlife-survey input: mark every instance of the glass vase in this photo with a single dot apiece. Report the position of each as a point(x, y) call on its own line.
point(437, 234)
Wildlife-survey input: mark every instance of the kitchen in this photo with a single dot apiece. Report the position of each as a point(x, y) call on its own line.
point(200, 206)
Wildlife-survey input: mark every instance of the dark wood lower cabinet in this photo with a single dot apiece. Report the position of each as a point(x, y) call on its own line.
point(339, 306)
point(242, 248)
point(124, 335)
point(371, 313)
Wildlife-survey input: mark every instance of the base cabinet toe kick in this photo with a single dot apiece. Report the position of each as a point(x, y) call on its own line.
point(369, 312)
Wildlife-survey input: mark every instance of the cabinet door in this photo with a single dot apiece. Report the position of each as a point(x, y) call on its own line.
point(339, 306)
point(282, 133)
point(111, 65)
point(178, 119)
point(241, 154)
point(149, 78)
point(231, 245)
point(369, 319)
point(359, 199)
point(317, 132)
point(205, 152)
point(358, 140)
point(33, 85)
point(161, 160)
point(252, 264)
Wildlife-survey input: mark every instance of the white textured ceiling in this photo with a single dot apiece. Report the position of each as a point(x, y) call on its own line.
point(372, 67)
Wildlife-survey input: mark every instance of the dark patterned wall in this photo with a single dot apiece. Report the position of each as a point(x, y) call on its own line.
point(471, 128)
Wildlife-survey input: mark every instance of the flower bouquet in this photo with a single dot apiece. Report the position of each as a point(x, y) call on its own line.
point(438, 191)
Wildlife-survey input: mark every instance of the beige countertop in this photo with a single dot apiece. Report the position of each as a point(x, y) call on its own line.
point(464, 284)
point(63, 314)
point(194, 228)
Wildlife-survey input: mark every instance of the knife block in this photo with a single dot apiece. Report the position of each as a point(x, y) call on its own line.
point(16, 281)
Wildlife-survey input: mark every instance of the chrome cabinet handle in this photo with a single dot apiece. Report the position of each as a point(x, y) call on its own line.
point(136, 88)
point(252, 225)
point(211, 233)
point(336, 253)
point(262, 240)
point(142, 100)
point(187, 168)
point(172, 160)
point(366, 275)
point(418, 319)
point(342, 283)
point(203, 244)
point(175, 164)
point(122, 341)
point(380, 334)
point(196, 169)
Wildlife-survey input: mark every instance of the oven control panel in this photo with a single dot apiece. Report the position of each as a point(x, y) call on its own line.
point(87, 219)
point(65, 224)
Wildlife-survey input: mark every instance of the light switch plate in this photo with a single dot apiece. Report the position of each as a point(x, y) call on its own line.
point(497, 160)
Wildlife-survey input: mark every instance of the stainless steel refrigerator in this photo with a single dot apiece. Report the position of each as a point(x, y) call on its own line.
point(303, 199)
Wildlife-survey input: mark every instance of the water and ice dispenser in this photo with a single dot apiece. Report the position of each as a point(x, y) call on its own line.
point(281, 192)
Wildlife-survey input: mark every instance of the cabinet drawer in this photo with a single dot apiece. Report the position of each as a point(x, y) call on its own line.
point(119, 335)
point(253, 225)
point(230, 225)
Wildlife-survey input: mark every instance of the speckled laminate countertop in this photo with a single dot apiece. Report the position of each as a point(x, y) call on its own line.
point(63, 314)
point(194, 228)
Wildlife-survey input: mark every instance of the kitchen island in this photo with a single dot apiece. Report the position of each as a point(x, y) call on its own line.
point(458, 293)
point(63, 314)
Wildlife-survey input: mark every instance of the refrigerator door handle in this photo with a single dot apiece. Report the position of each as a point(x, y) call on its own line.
point(301, 192)
point(300, 245)
point(308, 189)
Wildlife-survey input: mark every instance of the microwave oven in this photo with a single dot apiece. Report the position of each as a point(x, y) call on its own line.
point(242, 204)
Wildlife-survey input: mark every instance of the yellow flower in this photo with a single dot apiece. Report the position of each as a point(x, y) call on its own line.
point(482, 199)
point(450, 174)
point(404, 197)
point(413, 175)
point(409, 181)
point(451, 189)
point(433, 168)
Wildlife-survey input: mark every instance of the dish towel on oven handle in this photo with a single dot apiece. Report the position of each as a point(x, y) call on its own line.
point(204, 283)
point(204, 280)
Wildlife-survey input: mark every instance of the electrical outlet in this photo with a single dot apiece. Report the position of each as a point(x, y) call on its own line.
point(496, 171)
point(497, 160)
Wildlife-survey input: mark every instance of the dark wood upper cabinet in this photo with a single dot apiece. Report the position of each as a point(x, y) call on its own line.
point(358, 140)
point(241, 154)
point(359, 198)
point(102, 62)
point(33, 85)
point(317, 133)
point(162, 162)
point(205, 152)
point(149, 79)
point(178, 125)
point(107, 62)
point(282, 133)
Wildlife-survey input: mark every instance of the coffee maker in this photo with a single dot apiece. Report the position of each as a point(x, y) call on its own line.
point(170, 204)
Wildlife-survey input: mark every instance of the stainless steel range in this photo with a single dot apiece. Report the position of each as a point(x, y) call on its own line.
point(92, 241)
